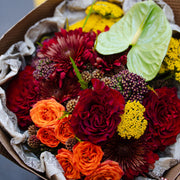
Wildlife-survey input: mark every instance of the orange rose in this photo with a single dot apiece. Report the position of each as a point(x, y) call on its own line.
point(65, 158)
point(63, 130)
point(87, 157)
point(46, 112)
point(107, 170)
point(47, 137)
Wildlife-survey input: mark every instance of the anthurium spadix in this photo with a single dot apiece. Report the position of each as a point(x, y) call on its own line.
point(146, 30)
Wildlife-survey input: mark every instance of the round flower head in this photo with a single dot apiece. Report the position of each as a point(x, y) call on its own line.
point(65, 158)
point(87, 157)
point(46, 113)
point(70, 143)
point(63, 129)
point(33, 142)
point(32, 130)
point(106, 9)
point(103, 15)
point(75, 44)
point(97, 113)
point(95, 23)
point(132, 86)
point(133, 124)
point(107, 170)
point(48, 137)
point(22, 93)
point(163, 115)
point(134, 156)
point(44, 69)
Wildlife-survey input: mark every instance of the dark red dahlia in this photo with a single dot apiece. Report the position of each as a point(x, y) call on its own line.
point(134, 156)
point(163, 115)
point(97, 113)
point(75, 44)
point(22, 93)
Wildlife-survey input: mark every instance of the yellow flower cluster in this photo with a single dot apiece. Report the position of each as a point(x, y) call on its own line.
point(38, 2)
point(95, 22)
point(103, 14)
point(106, 9)
point(172, 60)
point(133, 124)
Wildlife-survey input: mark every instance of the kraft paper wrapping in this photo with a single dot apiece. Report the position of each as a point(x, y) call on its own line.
point(13, 60)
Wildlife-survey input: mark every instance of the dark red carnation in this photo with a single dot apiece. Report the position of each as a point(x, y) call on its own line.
point(163, 115)
point(22, 93)
point(97, 114)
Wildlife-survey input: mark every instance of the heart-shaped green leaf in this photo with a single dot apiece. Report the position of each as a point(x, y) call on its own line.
point(147, 30)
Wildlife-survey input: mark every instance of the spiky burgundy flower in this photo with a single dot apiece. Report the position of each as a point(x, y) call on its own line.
point(75, 44)
point(50, 89)
point(134, 156)
point(110, 62)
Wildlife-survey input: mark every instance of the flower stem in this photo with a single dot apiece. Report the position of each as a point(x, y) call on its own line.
point(87, 17)
point(84, 85)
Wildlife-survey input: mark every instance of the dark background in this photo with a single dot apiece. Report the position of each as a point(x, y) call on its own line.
point(11, 11)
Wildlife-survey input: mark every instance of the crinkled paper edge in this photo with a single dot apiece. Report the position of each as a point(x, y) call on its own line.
point(13, 61)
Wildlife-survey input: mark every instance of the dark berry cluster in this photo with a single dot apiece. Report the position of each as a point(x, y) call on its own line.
point(132, 86)
point(44, 69)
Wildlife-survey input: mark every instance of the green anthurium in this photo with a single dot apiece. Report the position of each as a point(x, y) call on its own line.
point(144, 28)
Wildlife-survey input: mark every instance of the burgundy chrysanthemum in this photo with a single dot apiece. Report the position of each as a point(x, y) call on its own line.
point(110, 62)
point(75, 44)
point(50, 89)
point(21, 94)
point(163, 115)
point(97, 113)
point(134, 156)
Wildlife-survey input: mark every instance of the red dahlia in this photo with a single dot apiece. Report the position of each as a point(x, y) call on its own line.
point(22, 93)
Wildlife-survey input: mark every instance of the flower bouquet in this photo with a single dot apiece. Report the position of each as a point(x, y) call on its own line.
point(96, 98)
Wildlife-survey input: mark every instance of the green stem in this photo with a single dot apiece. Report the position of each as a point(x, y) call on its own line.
point(84, 85)
point(87, 17)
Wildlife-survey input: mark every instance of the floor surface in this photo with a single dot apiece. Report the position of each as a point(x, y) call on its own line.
point(11, 11)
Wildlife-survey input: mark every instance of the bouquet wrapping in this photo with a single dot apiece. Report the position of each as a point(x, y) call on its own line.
point(81, 101)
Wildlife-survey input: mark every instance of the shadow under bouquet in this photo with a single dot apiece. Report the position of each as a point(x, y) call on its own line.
point(101, 94)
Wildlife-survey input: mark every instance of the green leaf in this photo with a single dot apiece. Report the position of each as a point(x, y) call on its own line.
point(84, 85)
point(147, 30)
point(65, 114)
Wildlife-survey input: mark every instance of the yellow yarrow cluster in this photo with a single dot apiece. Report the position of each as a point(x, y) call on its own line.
point(133, 124)
point(95, 22)
point(172, 60)
point(103, 14)
point(106, 9)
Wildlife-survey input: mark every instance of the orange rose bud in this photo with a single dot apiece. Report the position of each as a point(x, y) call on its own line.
point(46, 113)
point(107, 170)
point(87, 157)
point(65, 158)
point(47, 137)
point(63, 130)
